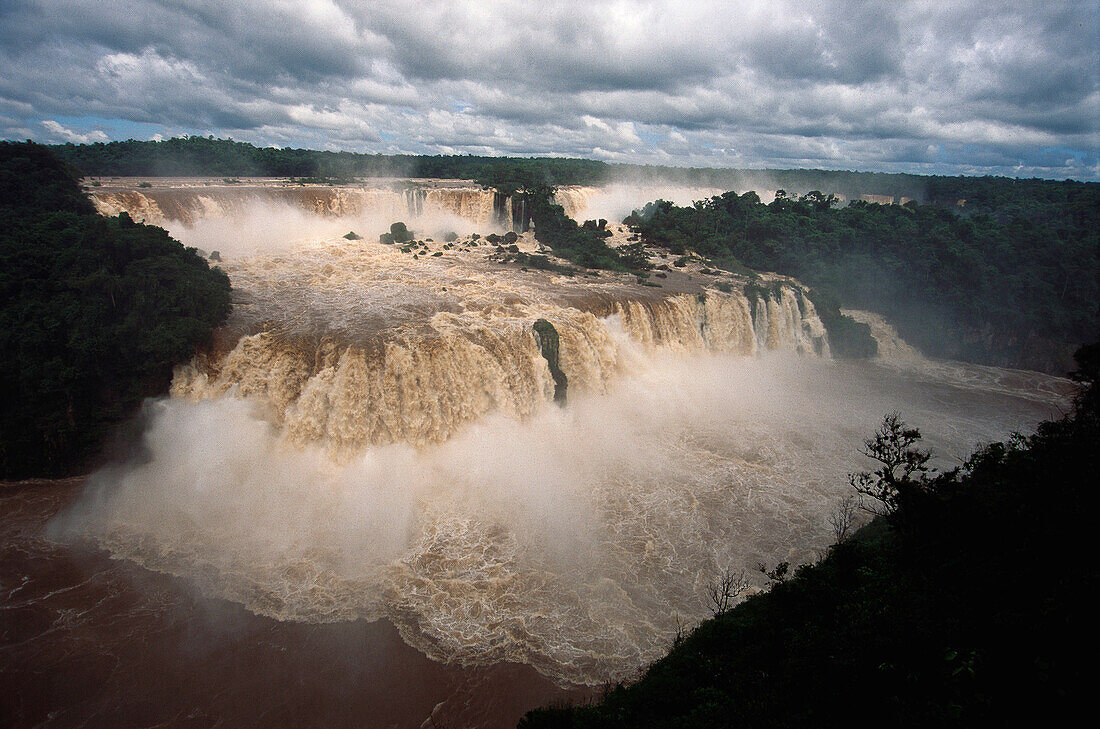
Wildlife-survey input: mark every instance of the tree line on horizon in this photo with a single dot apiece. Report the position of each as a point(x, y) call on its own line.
point(208, 156)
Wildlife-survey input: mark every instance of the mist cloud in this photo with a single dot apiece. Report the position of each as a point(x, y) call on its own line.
point(991, 88)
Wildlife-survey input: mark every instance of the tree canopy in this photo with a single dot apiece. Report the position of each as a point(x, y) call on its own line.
point(95, 313)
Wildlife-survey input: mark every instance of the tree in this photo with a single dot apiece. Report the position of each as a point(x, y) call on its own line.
point(725, 590)
point(94, 315)
point(819, 201)
point(400, 233)
point(843, 518)
point(901, 473)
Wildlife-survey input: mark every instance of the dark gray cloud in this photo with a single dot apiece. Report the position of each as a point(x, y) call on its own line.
point(988, 87)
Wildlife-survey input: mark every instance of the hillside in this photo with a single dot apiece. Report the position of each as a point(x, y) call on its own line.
point(959, 608)
point(1016, 286)
point(95, 312)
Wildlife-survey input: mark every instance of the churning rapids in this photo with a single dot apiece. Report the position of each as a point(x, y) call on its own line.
point(375, 436)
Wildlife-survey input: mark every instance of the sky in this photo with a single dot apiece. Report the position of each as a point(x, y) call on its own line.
point(949, 87)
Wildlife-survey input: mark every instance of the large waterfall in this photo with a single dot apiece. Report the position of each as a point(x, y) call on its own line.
point(426, 379)
point(191, 201)
point(397, 200)
point(375, 435)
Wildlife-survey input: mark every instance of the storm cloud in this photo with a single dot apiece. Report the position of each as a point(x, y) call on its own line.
point(976, 88)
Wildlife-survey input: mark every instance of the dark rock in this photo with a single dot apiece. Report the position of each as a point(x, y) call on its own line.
point(549, 343)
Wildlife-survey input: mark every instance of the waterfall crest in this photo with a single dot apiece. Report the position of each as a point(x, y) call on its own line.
point(423, 383)
point(188, 205)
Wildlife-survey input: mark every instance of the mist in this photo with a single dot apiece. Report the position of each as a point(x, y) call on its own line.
point(381, 442)
point(273, 227)
point(589, 530)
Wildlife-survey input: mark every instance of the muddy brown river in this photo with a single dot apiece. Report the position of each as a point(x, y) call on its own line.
point(90, 641)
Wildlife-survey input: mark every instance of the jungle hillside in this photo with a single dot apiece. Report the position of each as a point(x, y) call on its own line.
point(1004, 280)
point(95, 313)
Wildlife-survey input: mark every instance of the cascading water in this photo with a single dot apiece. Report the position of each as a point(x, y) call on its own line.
point(398, 201)
point(378, 439)
point(429, 378)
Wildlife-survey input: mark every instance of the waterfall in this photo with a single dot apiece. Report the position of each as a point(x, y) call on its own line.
point(521, 219)
point(502, 210)
point(373, 436)
point(574, 199)
point(423, 384)
point(188, 206)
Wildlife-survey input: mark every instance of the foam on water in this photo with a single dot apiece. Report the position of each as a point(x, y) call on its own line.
point(382, 442)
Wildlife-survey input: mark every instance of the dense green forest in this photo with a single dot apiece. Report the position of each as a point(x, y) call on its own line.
point(94, 313)
point(963, 604)
point(1018, 285)
point(584, 244)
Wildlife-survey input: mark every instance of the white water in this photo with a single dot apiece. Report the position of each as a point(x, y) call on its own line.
point(385, 445)
point(434, 207)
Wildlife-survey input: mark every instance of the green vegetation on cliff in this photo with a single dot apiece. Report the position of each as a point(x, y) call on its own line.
point(1008, 280)
point(94, 313)
point(964, 605)
point(549, 347)
point(583, 244)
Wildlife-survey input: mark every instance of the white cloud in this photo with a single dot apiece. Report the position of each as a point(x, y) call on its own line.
point(61, 133)
point(835, 83)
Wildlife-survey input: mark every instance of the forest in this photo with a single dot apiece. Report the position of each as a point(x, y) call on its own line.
point(1010, 279)
point(954, 607)
point(95, 313)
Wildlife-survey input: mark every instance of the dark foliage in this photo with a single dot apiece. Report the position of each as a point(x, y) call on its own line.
point(31, 178)
point(400, 233)
point(584, 245)
point(1007, 279)
point(968, 610)
point(94, 313)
